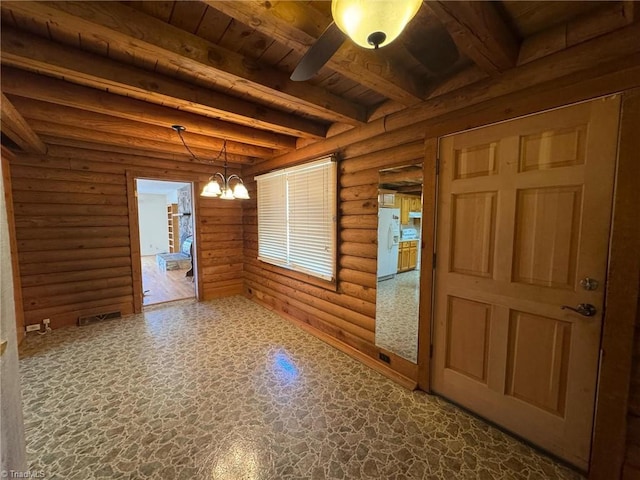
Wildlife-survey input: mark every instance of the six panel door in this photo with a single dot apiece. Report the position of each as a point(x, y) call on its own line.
point(523, 217)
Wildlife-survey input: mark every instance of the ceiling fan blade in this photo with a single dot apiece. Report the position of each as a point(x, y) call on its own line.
point(320, 52)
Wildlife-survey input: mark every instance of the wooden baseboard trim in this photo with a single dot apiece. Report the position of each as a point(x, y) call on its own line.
point(223, 292)
point(343, 347)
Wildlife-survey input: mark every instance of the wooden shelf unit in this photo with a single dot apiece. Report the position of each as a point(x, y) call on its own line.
point(173, 222)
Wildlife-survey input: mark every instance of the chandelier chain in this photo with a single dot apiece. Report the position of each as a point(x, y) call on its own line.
point(222, 151)
point(213, 188)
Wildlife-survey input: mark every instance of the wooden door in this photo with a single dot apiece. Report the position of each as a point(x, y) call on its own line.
point(523, 217)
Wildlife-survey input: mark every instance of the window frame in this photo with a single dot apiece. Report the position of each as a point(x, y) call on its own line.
point(288, 269)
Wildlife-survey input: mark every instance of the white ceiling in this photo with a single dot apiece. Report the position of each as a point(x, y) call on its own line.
point(159, 187)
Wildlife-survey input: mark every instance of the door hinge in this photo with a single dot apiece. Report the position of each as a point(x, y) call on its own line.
point(437, 165)
point(433, 261)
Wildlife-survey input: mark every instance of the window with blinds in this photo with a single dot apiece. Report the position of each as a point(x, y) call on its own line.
point(297, 218)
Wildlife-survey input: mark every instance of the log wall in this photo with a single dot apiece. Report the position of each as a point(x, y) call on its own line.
point(346, 311)
point(364, 150)
point(72, 220)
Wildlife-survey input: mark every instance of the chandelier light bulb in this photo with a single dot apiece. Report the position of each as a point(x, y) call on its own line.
point(213, 188)
point(240, 191)
point(227, 194)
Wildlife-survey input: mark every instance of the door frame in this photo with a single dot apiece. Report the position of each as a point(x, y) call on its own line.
point(621, 302)
point(134, 229)
point(621, 297)
point(5, 158)
point(427, 262)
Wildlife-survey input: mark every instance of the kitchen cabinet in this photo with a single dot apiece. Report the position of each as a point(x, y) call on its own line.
point(413, 255)
point(407, 255)
point(406, 204)
point(387, 200)
point(405, 259)
point(405, 208)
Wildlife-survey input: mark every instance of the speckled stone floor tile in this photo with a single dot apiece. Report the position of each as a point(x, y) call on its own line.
point(228, 390)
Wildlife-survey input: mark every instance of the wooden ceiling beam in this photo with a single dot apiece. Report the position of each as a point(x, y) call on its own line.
point(603, 20)
point(91, 152)
point(479, 32)
point(127, 28)
point(18, 130)
point(38, 110)
point(298, 26)
point(84, 134)
point(39, 87)
point(417, 189)
point(614, 52)
point(5, 153)
point(66, 147)
point(30, 52)
point(401, 176)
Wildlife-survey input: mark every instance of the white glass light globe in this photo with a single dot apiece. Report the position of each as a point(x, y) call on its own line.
point(361, 20)
point(211, 189)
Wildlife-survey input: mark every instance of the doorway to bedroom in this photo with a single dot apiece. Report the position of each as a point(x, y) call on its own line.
point(166, 230)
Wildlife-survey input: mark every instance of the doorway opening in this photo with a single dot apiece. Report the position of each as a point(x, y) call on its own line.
point(166, 226)
point(398, 286)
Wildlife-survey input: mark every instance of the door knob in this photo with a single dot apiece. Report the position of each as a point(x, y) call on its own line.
point(585, 309)
point(589, 283)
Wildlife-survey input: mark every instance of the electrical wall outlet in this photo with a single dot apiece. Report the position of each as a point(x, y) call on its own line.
point(46, 322)
point(33, 328)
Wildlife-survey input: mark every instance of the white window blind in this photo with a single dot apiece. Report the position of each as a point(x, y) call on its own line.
point(297, 218)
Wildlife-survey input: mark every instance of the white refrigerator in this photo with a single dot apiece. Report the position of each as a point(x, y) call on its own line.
point(388, 239)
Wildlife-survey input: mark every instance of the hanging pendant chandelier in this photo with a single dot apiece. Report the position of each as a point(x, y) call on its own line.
point(219, 184)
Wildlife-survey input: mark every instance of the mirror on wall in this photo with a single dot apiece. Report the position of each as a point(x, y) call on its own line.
point(398, 286)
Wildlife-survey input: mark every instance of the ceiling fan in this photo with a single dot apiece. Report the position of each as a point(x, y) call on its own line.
point(371, 25)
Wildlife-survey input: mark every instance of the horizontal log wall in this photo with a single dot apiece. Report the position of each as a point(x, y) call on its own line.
point(74, 240)
point(348, 312)
point(378, 144)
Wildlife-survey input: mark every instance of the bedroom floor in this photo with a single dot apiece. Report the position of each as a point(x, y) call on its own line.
point(228, 390)
point(164, 286)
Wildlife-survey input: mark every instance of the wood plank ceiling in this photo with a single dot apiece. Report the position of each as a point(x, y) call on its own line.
point(114, 76)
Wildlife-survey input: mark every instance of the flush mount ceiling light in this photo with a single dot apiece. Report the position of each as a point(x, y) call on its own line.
point(373, 23)
point(369, 23)
point(214, 188)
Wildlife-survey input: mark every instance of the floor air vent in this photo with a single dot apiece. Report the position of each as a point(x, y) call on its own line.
point(98, 317)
